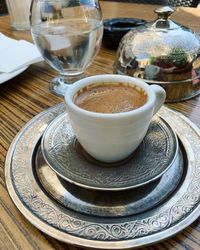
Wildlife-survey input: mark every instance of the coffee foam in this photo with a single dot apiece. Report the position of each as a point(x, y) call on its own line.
point(110, 97)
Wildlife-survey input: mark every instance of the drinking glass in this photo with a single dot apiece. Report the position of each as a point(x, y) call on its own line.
point(68, 34)
point(19, 13)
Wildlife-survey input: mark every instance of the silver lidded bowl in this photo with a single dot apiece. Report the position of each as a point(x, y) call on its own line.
point(165, 53)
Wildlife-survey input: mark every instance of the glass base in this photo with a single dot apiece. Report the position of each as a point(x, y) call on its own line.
point(21, 27)
point(60, 84)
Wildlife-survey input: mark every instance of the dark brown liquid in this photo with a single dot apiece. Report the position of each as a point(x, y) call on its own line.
point(110, 98)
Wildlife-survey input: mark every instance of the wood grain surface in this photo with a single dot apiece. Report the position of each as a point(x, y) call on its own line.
point(27, 94)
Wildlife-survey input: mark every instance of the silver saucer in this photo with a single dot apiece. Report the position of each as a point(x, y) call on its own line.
point(104, 203)
point(70, 161)
point(169, 217)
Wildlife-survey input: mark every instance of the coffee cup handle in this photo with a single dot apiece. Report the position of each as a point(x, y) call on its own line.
point(160, 97)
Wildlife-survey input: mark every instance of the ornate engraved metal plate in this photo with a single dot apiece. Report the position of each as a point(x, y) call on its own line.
point(168, 218)
point(68, 159)
point(104, 203)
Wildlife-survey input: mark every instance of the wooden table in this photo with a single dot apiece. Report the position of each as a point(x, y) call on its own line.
point(27, 94)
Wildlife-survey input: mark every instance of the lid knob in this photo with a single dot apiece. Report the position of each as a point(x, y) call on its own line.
point(164, 12)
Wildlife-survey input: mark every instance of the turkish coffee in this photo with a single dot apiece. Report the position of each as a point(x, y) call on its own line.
point(110, 97)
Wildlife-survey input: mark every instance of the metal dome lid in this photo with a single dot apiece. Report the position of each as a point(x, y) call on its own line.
point(160, 52)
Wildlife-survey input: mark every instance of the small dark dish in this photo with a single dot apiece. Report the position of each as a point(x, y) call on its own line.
point(116, 28)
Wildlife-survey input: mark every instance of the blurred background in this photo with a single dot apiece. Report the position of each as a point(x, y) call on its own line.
point(191, 3)
point(3, 7)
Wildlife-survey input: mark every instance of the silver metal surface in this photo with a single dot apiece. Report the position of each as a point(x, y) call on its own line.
point(113, 204)
point(69, 160)
point(168, 218)
point(162, 52)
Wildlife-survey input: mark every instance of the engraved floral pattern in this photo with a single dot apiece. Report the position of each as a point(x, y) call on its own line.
point(89, 227)
point(60, 152)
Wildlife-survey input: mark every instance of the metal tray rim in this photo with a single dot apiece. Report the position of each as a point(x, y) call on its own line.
point(125, 244)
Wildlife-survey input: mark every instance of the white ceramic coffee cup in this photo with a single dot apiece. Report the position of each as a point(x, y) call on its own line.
point(112, 137)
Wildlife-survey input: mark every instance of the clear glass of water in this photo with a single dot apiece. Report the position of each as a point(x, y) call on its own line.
point(68, 34)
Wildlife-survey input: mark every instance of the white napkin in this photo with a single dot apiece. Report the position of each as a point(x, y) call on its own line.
point(16, 54)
